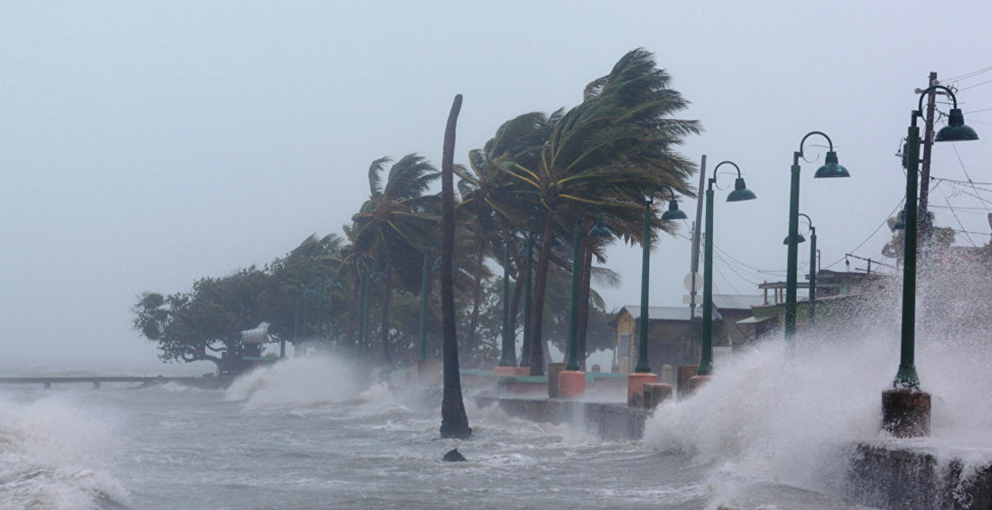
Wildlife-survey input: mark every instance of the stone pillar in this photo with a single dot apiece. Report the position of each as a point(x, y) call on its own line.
point(682, 375)
point(571, 384)
point(695, 382)
point(667, 375)
point(906, 413)
point(635, 387)
point(505, 371)
point(554, 370)
point(656, 393)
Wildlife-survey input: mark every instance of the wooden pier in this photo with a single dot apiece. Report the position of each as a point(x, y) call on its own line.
point(205, 382)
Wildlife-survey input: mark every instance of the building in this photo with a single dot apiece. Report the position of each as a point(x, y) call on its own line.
point(672, 338)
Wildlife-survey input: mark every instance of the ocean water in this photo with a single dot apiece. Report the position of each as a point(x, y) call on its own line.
point(299, 436)
point(777, 421)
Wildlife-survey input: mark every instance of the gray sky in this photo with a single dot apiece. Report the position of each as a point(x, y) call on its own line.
point(146, 144)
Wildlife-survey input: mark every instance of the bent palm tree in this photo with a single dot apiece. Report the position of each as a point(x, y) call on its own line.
point(608, 151)
point(394, 225)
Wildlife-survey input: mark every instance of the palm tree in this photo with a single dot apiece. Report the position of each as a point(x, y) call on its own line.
point(608, 151)
point(394, 225)
point(454, 421)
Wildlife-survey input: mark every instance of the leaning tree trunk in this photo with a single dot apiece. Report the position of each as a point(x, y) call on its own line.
point(454, 421)
point(387, 294)
point(540, 286)
point(584, 306)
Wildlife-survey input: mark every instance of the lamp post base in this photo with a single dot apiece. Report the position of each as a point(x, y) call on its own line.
point(696, 382)
point(505, 371)
point(571, 384)
point(635, 387)
point(906, 413)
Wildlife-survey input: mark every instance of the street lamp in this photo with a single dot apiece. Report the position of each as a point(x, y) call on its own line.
point(906, 409)
point(673, 213)
point(363, 315)
point(642, 372)
point(740, 194)
point(506, 357)
point(812, 267)
point(830, 168)
point(528, 275)
point(570, 384)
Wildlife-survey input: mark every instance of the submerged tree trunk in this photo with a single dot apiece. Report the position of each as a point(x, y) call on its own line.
point(540, 286)
point(454, 421)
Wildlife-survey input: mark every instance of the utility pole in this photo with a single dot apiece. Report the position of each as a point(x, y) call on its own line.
point(694, 265)
point(923, 220)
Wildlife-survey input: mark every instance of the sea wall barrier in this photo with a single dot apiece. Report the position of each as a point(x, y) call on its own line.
point(611, 421)
point(895, 478)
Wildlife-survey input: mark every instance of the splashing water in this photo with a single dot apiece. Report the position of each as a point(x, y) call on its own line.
point(54, 455)
point(793, 412)
point(298, 381)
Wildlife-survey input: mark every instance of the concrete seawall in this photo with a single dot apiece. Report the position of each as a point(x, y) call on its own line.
point(908, 479)
point(611, 421)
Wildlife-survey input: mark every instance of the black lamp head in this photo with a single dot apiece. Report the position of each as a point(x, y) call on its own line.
point(956, 130)
point(740, 193)
point(799, 239)
point(831, 168)
point(600, 229)
point(673, 212)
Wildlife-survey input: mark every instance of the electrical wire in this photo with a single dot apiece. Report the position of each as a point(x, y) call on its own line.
point(970, 75)
point(884, 223)
point(955, 214)
point(975, 85)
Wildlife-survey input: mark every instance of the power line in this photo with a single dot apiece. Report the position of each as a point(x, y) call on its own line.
point(884, 223)
point(975, 85)
point(970, 75)
point(955, 214)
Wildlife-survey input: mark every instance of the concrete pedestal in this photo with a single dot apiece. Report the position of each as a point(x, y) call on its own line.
point(906, 413)
point(505, 371)
point(635, 387)
point(656, 393)
point(429, 372)
point(682, 375)
point(571, 384)
point(553, 370)
point(696, 382)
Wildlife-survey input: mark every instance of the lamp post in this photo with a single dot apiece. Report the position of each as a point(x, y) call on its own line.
point(812, 267)
point(528, 275)
point(572, 380)
point(740, 194)
point(673, 213)
point(506, 356)
point(642, 372)
point(906, 409)
point(830, 168)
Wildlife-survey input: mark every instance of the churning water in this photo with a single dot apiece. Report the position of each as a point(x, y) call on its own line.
point(299, 436)
point(302, 435)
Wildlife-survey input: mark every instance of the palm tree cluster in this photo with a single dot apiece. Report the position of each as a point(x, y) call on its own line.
point(532, 179)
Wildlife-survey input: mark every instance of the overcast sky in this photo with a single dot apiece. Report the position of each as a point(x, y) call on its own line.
point(147, 144)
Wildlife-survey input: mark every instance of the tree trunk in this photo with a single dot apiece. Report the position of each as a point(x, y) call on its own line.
point(356, 309)
point(584, 307)
point(387, 294)
point(518, 292)
point(540, 286)
point(473, 322)
point(454, 421)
